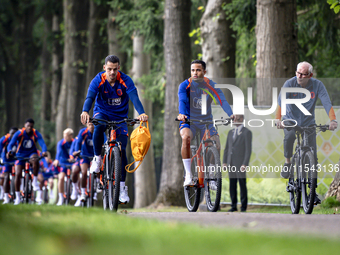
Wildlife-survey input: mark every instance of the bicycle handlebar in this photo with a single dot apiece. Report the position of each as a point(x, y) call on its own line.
point(225, 121)
point(322, 128)
point(129, 122)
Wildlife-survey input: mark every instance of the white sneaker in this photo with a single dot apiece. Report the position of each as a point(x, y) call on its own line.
point(188, 181)
point(78, 202)
point(83, 197)
point(17, 201)
point(123, 195)
point(38, 199)
point(74, 194)
point(95, 196)
point(36, 186)
point(6, 199)
point(96, 164)
point(60, 202)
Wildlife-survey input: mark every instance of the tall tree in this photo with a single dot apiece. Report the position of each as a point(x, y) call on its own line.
point(97, 49)
point(177, 54)
point(145, 177)
point(75, 56)
point(276, 50)
point(219, 43)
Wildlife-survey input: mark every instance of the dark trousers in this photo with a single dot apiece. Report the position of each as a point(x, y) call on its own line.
point(233, 192)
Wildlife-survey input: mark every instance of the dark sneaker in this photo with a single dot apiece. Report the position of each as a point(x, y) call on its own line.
point(317, 200)
point(285, 172)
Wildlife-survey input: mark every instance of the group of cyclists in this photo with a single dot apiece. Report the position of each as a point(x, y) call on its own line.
point(111, 91)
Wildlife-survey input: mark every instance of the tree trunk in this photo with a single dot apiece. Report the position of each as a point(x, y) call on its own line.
point(334, 188)
point(145, 176)
point(277, 48)
point(28, 53)
point(45, 60)
point(57, 59)
point(219, 43)
point(177, 55)
point(73, 77)
point(97, 51)
point(114, 43)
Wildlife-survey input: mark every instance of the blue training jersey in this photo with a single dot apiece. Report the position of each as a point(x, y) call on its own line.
point(190, 98)
point(4, 141)
point(26, 143)
point(317, 90)
point(84, 143)
point(111, 101)
point(63, 150)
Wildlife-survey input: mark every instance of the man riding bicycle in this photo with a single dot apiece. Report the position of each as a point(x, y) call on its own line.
point(24, 142)
point(190, 101)
point(7, 168)
point(63, 160)
point(303, 79)
point(111, 90)
point(84, 147)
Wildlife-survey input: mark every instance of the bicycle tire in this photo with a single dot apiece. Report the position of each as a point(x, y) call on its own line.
point(105, 193)
point(68, 191)
point(115, 165)
point(192, 193)
point(27, 188)
point(212, 174)
point(92, 190)
point(45, 195)
point(295, 192)
point(12, 190)
point(309, 175)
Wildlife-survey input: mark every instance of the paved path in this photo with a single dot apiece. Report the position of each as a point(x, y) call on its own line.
point(326, 225)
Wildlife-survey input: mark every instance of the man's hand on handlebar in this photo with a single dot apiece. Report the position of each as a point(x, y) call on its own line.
point(278, 124)
point(333, 125)
point(181, 117)
point(143, 117)
point(84, 118)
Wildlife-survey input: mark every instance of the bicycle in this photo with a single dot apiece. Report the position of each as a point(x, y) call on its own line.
point(205, 169)
point(11, 178)
point(110, 173)
point(303, 175)
point(89, 201)
point(27, 195)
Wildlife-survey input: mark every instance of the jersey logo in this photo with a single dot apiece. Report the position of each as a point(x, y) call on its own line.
point(106, 91)
point(197, 103)
point(312, 95)
point(119, 92)
point(90, 142)
point(27, 144)
point(114, 101)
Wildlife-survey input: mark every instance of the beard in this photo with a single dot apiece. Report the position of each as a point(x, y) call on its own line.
point(198, 79)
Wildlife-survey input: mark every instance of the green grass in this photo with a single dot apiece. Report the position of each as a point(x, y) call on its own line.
point(30, 229)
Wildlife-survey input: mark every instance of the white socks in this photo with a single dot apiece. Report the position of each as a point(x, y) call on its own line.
point(187, 167)
point(122, 184)
point(82, 191)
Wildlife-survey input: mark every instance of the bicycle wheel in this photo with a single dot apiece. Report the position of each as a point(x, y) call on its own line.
point(68, 190)
point(12, 190)
point(212, 179)
point(45, 195)
point(192, 193)
point(28, 189)
point(293, 187)
point(115, 165)
point(309, 177)
point(92, 190)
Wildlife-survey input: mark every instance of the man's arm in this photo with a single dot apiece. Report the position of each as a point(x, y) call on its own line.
point(13, 141)
point(327, 104)
point(225, 105)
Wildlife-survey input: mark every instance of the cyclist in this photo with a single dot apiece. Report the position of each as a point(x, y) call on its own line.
point(303, 79)
point(75, 172)
point(63, 160)
point(48, 173)
point(84, 147)
point(111, 90)
point(6, 169)
point(190, 100)
point(23, 144)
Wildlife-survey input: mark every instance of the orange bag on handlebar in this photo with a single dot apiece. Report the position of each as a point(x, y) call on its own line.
point(140, 143)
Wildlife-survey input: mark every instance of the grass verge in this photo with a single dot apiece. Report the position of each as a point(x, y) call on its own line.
point(30, 229)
